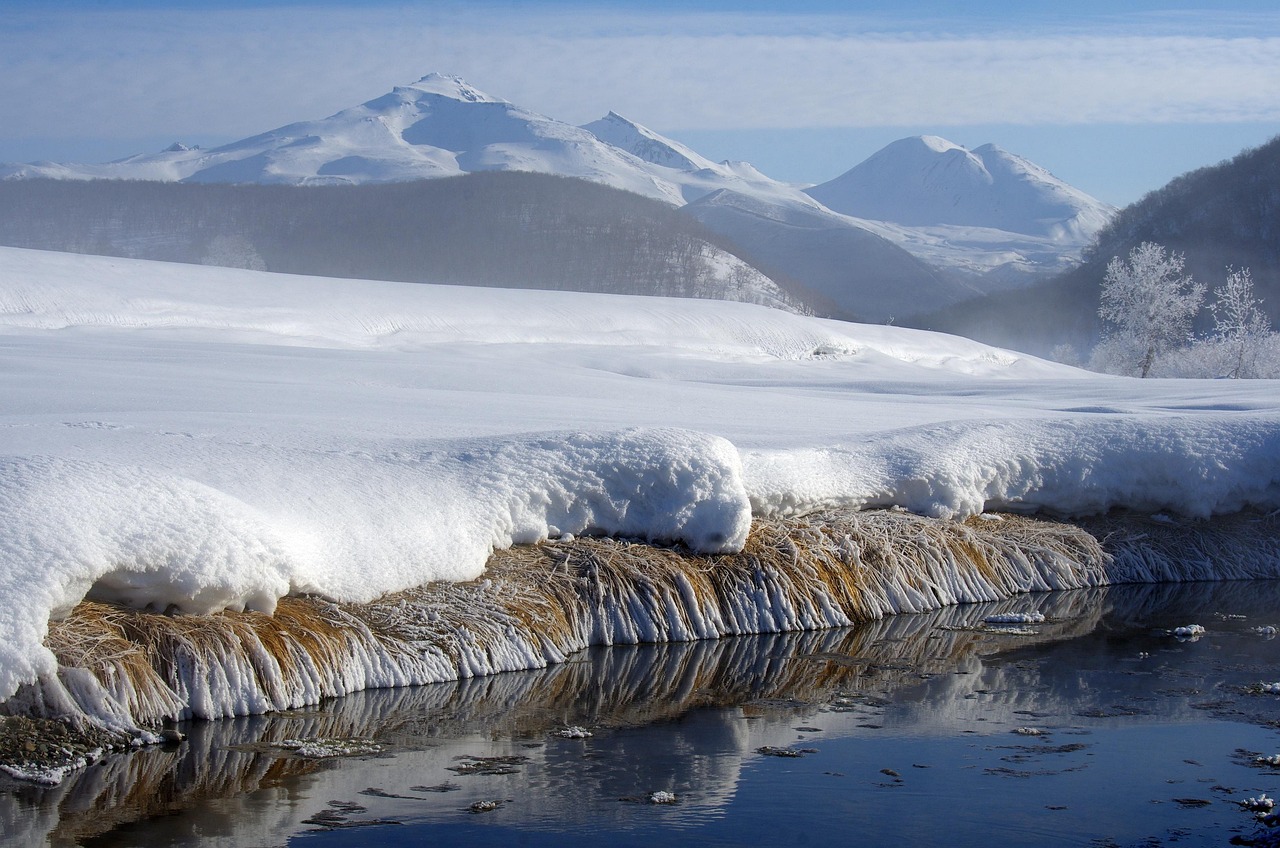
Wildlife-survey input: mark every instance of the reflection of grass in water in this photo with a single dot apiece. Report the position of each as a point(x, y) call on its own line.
point(605, 688)
point(861, 667)
point(541, 604)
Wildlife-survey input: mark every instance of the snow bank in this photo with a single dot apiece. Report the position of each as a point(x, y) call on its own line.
point(149, 539)
point(1196, 466)
point(201, 438)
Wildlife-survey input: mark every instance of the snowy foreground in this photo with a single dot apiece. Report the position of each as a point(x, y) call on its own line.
point(210, 438)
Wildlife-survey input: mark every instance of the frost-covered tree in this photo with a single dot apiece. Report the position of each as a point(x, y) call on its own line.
point(1240, 326)
point(1066, 353)
point(233, 251)
point(1149, 303)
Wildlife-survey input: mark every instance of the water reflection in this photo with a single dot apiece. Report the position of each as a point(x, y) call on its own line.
point(684, 718)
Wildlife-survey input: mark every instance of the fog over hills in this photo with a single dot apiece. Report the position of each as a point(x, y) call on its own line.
point(490, 229)
point(1217, 216)
point(813, 245)
point(922, 225)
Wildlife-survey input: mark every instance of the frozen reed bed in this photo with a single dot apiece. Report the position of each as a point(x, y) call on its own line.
point(537, 604)
point(769, 676)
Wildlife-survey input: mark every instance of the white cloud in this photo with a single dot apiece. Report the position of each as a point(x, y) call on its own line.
point(232, 73)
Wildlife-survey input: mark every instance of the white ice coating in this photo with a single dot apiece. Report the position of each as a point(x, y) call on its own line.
point(209, 438)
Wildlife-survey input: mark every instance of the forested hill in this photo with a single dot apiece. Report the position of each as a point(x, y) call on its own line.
point(1225, 214)
point(509, 229)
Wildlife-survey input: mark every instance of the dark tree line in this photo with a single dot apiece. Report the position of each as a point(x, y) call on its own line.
point(492, 229)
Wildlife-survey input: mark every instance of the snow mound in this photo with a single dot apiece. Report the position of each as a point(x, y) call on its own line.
point(146, 538)
point(1075, 466)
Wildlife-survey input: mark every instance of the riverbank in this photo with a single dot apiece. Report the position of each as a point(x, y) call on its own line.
point(1096, 725)
point(124, 673)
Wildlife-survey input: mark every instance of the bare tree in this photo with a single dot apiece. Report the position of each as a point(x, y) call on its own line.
point(1149, 303)
point(1240, 326)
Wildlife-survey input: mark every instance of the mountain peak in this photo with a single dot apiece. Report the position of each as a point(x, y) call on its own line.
point(452, 87)
point(935, 143)
point(646, 144)
point(926, 181)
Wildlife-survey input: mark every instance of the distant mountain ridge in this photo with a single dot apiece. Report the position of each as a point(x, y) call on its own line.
point(971, 221)
point(928, 181)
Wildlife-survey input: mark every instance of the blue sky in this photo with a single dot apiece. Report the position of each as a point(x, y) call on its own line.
point(1116, 103)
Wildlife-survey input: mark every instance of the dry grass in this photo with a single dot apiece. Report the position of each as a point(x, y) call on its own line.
point(538, 604)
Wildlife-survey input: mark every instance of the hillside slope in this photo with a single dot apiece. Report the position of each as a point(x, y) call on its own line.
point(1222, 215)
point(492, 229)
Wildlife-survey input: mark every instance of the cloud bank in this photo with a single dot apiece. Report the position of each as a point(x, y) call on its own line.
point(235, 72)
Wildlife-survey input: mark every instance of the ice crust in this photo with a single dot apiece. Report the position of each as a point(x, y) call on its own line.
point(193, 439)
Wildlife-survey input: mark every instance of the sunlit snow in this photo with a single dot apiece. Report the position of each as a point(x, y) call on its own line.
point(200, 438)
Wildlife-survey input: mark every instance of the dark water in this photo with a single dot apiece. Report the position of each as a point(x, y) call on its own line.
point(905, 730)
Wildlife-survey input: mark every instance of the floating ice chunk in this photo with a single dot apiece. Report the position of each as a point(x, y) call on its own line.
point(1028, 731)
point(574, 732)
point(43, 775)
point(1273, 760)
point(1015, 618)
point(1261, 804)
point(1269, 688)
point(1267, 632)
point(1188, 632)
point(319, 749)
point(662, 797)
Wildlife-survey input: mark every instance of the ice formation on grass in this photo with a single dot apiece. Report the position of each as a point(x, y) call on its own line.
point(537, 605)
point(193, 439)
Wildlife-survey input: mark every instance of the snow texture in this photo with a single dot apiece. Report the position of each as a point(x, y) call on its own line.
point(191, 439)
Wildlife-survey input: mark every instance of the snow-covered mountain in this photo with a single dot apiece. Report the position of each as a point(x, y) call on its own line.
point(437, 127)
point(985, 218)
point(927, 181)
point(697, 175)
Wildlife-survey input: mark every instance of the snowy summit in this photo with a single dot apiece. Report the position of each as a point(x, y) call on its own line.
point(927, 181)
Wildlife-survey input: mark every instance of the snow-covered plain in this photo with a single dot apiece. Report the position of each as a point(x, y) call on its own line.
point(209, 438)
